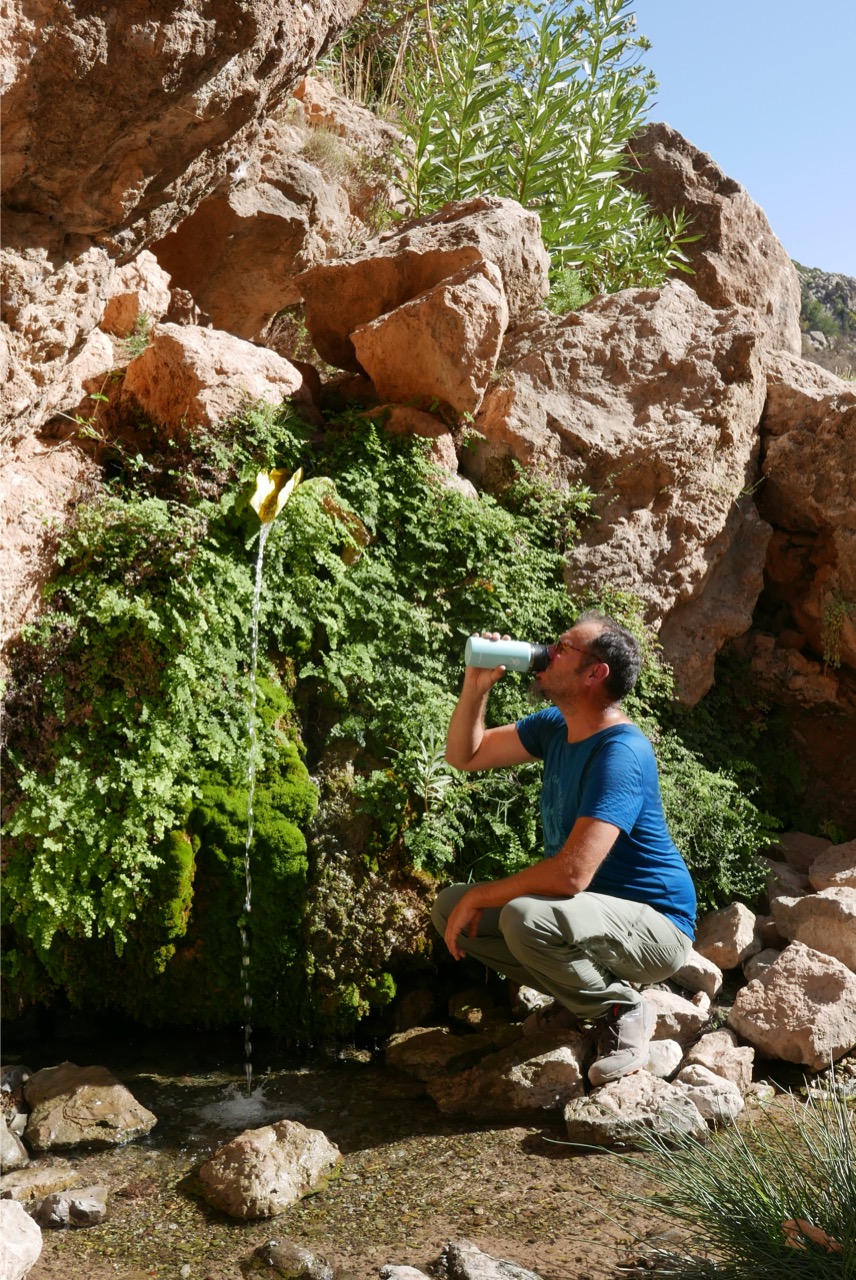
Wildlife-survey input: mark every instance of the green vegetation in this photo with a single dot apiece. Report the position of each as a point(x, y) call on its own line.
point(536, 102)
point(127, 728)
point(770, 1202)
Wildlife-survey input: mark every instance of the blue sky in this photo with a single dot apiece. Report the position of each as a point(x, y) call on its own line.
point(767, 87)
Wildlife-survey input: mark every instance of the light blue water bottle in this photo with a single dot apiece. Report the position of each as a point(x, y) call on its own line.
point(514, 655)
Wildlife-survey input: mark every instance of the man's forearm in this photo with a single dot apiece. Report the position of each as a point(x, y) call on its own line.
point(466, 728)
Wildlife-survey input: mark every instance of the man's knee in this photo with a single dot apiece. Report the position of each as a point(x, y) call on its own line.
point(522, 920)
point(444, 904)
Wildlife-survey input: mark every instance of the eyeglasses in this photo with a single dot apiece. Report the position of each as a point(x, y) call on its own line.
point(561, 644)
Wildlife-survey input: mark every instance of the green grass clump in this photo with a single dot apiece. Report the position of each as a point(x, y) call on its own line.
point(772, 1200)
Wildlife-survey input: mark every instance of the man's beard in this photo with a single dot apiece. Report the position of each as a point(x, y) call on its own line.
point(536, 696)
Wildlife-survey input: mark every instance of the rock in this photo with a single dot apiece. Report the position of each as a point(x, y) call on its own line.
point(767, 933)
point(835, 868)
point(463, 1260)
point(53, 297)
point(736, 259)
point(664, 1058)
point(262, 1171)
point(39, 484)
point(429, 1052)
point(140, 288)
point(413, 1009)
point(720, 1052)
point(809, 430)
point(364, 159)
point(71, 1105)
point(189, 377)
point(525, 1000)
point(728, 937)
point(85, 1207)
point(402, 264)
point(677, 1018)
point(84, 186)
point(800, 850)
point(13, 1153)
point(186, 87)
point(652, 400)
point(20, 1241)
point(758, 964)
point(616, 1114)
point(390, 1272)
point(239, 252)
point(783, 880)
point(472, 1007)
point(441, 346)
point(802, 1009)
point(292, 1261)
point(699, 974)
point(533, 1075)
point(717, 1099)
point(825, 921)
point(37, 1181)
point(402, 420)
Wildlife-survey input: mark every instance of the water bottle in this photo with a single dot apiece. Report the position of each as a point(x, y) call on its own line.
point(515, 655)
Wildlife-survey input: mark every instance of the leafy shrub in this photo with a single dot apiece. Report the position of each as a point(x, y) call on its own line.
point(127, 727)
point(537, 102)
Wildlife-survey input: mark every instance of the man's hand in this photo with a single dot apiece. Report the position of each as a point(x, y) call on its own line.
point(464, 919)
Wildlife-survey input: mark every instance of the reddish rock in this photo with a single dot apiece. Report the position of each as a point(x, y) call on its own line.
point(190, 377)
point(736, 259)
point(652, 400)
point(402, 264)
point(263, 1171)
point(835, 868)
point(441, 346)
point(139, 289)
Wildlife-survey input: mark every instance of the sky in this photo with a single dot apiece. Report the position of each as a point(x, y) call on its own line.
point(768, 89)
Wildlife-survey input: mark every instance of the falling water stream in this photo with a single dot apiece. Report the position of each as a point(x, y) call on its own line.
point(244, 922)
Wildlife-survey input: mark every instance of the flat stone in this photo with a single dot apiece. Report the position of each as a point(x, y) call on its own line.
point(426, 1052)
point(616, 1114)
point(534, 1075)
point(72, 1105)
point(464, 1260)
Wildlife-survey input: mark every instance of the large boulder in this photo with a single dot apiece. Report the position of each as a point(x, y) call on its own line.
point(801, 1009)
point(189, 377)
point(54, 295)
point(652, 399)
point(809, 497)
point(402, 264)
point(73, 1105)
point(441, 346)
point(263, 1171)
point(116, 123)
point(736, 259)
point(240, 250)
point(835, 868)
point(825, 921)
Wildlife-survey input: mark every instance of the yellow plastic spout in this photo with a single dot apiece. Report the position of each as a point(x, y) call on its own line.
point(273, 489)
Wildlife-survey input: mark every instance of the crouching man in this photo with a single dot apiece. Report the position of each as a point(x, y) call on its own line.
point(612, 903)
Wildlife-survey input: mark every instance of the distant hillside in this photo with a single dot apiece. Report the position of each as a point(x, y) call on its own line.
point(828, 319)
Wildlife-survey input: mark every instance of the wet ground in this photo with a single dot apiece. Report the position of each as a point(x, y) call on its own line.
point(410, 1180)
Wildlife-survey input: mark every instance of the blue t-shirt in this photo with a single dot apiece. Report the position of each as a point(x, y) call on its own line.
point(612, 775)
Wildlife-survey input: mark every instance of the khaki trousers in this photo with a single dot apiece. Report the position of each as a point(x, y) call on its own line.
point(584, 951)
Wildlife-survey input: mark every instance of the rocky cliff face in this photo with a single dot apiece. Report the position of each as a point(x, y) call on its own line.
point(117, 122)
